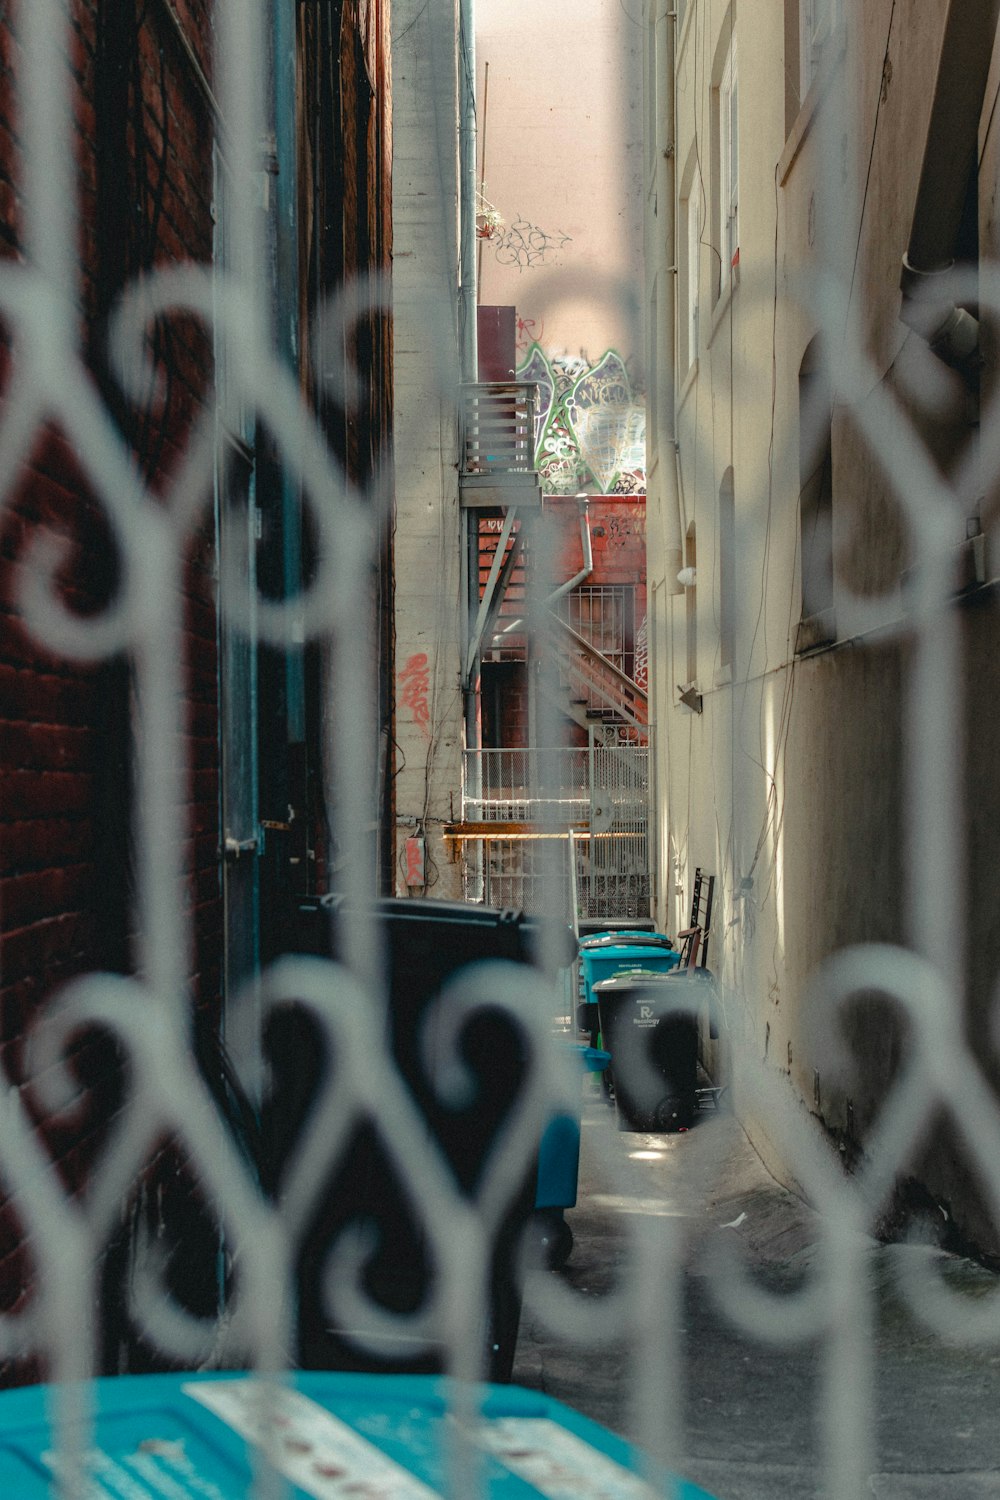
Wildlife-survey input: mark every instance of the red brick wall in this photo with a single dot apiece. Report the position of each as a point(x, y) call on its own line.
point(144, 174)
point(144, 182)
point(618, 545)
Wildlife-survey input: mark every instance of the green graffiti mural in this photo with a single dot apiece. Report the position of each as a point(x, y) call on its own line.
point(591, 424)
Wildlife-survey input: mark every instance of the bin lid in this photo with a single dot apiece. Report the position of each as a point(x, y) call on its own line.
point(625, 952)
point(599, 925)
point(626, 940)
point(629, 978)
point(339, 1434)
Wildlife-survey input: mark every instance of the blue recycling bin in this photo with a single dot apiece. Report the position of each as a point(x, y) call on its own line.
point(602, 960)
point(333, 1434)
point(559, 1171)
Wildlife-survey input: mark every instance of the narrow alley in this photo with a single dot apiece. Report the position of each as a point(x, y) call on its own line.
point(752, 1413)
point(499, 604)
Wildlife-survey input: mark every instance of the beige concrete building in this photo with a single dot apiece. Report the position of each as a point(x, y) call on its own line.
point(559, 103)
point(429, 583)
point(813, 467)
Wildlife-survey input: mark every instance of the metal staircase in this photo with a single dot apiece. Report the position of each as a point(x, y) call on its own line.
point(597, 693)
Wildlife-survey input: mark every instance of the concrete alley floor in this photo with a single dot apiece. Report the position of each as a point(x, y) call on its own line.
point(751, 1429)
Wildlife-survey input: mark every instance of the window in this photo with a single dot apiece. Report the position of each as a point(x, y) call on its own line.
point(690, 289)
point(809, 25)
point(727, 569)
point(815, 499)
point(726, 164)
point(652, 103)
point(729, 177)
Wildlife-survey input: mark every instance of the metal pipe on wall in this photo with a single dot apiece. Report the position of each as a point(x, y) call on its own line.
point(468, 351)
point(661, 280)
point(950, 157)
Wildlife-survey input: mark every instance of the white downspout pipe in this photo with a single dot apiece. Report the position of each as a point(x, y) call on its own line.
point(661, 280)
point(950, 156)
point(467, 321)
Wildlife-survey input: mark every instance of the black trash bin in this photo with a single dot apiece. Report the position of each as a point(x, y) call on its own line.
point(604, 926)
point(653, 1041)
point(425, 943)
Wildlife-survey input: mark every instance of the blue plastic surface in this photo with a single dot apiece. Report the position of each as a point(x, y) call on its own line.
point(559, 1152)
point(338, 1435)
point(558, 1163)
point(626, 937)
point(604, 962)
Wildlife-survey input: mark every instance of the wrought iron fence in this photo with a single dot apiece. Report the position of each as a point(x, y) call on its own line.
point(164, 1093)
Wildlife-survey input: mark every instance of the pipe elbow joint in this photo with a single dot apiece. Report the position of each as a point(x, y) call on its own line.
point(951, 332)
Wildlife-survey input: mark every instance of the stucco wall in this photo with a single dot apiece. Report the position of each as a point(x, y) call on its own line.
point(561, 126)
point(791, 785)
point(428, 549)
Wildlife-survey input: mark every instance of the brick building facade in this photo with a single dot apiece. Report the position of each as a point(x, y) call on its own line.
point(145, 118)
point(608, 607)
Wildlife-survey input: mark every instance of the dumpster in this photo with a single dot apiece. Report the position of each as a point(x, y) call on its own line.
point(425, 943)
point(196, 1435)
point(654, 1047)
point(558, 1173)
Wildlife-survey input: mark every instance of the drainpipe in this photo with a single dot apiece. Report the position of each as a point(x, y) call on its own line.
point(583, 503)
point(950, 156)
point(284, 214)
point(469, 352)
point(661, 282)
point(583, 508)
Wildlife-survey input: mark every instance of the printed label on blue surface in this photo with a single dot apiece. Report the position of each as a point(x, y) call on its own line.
point(557, 1463)
point(307, 1444)
point(155, 1471)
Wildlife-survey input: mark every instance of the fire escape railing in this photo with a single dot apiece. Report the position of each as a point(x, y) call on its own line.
point(587, 668)
point(498, 427)
point(498, 443)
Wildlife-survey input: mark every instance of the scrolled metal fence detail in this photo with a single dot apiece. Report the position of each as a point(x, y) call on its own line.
point(166, 1095)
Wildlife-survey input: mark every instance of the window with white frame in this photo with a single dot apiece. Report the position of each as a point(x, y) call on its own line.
point(729, 165)
point(692, 210)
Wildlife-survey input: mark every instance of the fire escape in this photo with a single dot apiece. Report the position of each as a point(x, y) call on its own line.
point(590, 793)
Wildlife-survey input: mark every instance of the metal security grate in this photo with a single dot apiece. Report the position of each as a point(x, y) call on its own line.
point(108, 1102)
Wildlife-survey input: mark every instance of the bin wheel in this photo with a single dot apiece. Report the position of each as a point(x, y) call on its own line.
point(554, 1238)
point(676, 1112)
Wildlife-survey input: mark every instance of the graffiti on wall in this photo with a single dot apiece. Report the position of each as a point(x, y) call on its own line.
point(529, 331)
point(415, 681)
point(526, 246)
point(641, 670)
point(590, 425)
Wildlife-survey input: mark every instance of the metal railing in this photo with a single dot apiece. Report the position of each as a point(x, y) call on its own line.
point(557, 788)
point(593, 802)
point(607, 876)
point(599, 681)
point(68, 1227)
point(498, 428)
